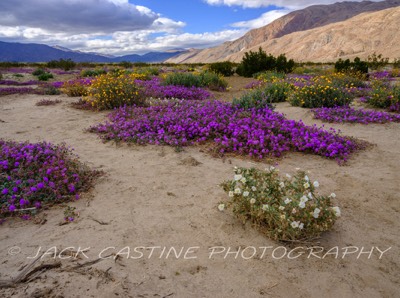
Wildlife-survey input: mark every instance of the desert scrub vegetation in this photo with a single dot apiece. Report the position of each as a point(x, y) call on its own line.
point(283, 208)
point(225, 68)
point(264, 95)
point(254, 62)
point(115, 89)
point(210, 80)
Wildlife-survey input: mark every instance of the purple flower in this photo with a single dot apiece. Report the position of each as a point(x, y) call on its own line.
point(11, 208)
point(4, 191)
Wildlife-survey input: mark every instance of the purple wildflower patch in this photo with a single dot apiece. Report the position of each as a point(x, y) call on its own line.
point(39, 174)
point(351, 115)
point(255, 132)
point(153, 88)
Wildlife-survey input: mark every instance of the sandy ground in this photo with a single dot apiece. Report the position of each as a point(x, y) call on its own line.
point(155, 197)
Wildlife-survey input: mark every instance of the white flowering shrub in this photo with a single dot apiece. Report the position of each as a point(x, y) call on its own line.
point(285, 208)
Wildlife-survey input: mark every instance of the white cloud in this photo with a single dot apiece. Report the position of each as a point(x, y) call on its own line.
point(263, 20)
point(265, 3)
point(76, 16)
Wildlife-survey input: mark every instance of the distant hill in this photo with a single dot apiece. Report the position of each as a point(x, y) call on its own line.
point(32, 52)
point(359, 36)
point(312, 17)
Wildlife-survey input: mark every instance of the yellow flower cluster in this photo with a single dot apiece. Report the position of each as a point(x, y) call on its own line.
point(114, 90)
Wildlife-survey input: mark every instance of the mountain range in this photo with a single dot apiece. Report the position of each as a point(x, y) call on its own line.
point(319, 33)
point(33, 52)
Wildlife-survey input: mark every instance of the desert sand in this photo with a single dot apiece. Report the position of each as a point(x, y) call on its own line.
point(153, 198)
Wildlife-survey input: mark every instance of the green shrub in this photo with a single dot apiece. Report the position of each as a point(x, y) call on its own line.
point(383, 95)
point(284, 209)
point(18, 75)
point(63, 64)
point(45, 76)
point(264, 96)
point(38, 72)
point(222, 68)
point(204, 79)
point(357, 66)
point(126, 64)
point(269, 76)
point(51, 90)
point(254, 62)
point(92, 72)
point(377, 61)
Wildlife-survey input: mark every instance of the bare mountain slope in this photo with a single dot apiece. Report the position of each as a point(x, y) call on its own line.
point(359, 36)
point(311, 17)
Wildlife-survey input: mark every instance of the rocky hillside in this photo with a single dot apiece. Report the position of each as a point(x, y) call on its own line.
point(359, 36)
point(316, 16)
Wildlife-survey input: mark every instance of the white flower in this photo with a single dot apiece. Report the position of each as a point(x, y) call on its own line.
point(302, 205)
point(332, 195)
point(306, 177)
point(288, 176)
point(306, 185)
point(237, 191)
point(283, 216)
point(271, 168)
point(253, 188)
point(237, 177)
point(243, 180)
point(309, 195)
point(231, 194)
point(294, 211)
point(265, 207)
point(246, 194)
point(221, 207)
point(303, 199)
point(316, 184)
point(316, 212)
point(281, 184)
point(295, 224)
point(252, 201)
point(337, 211)
point(287, 201)
point(301, 226)
point(281, 208)
point(297, 169)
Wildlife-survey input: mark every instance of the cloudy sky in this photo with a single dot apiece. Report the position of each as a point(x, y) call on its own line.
point(120, 27)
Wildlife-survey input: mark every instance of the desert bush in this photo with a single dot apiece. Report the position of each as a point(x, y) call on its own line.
point(113, 90)
point(38, 72)
point(264, 96)
point(63, 64)
point(51, 90)
point(45, 76)
point(377, 61)
point(319, 95)
point(92, 72)
point(222, 68)
point(269, 76)
point(284, 209)
point(125, 64)
point(357, 66)
point(255, 62)
point(396, 63)
point(47, 102)
point(383, 95)
point(78, 87)
point(204, 79)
